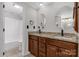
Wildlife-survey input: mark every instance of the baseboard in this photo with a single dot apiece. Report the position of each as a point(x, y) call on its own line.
point(25, 54)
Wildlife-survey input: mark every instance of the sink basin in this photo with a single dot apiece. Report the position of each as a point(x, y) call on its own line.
point(65, 36)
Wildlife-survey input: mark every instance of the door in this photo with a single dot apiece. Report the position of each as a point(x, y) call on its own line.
point(1, 29)
point(13, 28)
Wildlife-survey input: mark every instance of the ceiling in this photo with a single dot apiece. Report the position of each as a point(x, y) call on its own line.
point(10, 6)
point(36, 5)
point(13, 8)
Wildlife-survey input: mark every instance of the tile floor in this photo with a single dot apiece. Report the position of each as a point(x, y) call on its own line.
point(15, 53)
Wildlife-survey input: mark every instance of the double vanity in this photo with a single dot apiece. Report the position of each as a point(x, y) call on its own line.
point(47, 44)
point(52, 44)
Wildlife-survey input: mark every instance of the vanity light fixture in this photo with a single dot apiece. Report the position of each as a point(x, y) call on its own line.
point(16, 6)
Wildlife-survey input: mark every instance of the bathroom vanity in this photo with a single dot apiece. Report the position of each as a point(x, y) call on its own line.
point(52, 45)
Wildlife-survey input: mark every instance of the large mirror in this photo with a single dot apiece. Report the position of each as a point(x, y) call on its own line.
point(43, 22)
point(64, 18)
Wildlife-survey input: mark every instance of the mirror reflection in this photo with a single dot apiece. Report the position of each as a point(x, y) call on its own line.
point(43, 23)
point(64, 18)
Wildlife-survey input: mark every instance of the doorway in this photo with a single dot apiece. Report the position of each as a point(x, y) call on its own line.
point(13, 21)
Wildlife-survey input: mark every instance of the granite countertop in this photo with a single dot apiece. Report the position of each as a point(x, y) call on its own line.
point(67, 37)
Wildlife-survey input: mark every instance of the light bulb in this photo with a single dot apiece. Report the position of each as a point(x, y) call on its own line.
point(16, 6)
point(41, 4)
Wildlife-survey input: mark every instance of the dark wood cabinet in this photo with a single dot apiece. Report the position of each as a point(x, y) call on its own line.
point(41, 54)
point(52, 51)
point(66, 52)
point(33, 45)
point(42, 47)
point(35, 48)
point(61, 48)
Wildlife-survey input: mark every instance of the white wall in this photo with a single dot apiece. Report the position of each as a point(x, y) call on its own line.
point(50, 13)
point(28, 13)
point(1, 30)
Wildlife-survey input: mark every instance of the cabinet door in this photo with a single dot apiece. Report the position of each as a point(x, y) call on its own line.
point(52, 51)
point(35, 47)
point(31, 45)
point(66, 52)
point(41, 54)
point(42, 47)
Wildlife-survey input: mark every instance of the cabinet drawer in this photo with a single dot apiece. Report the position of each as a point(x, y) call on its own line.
point(33, 37)
point(41, 54)
point(42, 47)
point(63, 44)
point(42, 39)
